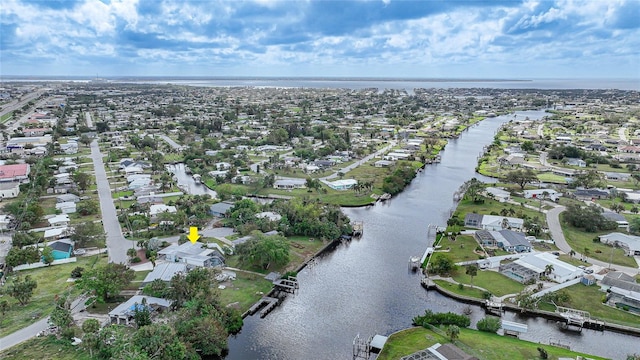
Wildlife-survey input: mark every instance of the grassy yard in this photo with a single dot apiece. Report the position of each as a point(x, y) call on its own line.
point(460, 249)
point(579, 240)
point(51, 281)
point(496, 283)
point(485, 346)
point(6, 117)
point(588, 298)
point(245, 290)
point(465, 291)
point(552, 178)
point(46, 348)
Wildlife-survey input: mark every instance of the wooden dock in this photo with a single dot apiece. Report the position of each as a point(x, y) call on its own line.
point(268, 303)
point(289, 285)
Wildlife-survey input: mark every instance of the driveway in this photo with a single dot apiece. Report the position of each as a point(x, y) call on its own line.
point(553, 221)
point(116, 243)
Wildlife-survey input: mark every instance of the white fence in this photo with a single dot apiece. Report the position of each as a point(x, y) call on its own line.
point(40, 264)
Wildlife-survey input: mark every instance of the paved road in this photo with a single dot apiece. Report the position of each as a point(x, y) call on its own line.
point(553, 221)
point(116, 243)
point(32, 330)
point(18, 104)
point(87, 117)
point(622, 133)
point(170, 141)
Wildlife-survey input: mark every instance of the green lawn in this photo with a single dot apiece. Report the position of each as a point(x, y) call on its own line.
point(51, 281)
point(465, 291)
point(461, 249)
point(485, 346)
point(46, 348)
point(588, 298)
point(6, 117)
point(496, 283)
point(245, 290)
point(579, 240)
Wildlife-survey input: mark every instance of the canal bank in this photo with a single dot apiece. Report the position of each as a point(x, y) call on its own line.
point(365, 287)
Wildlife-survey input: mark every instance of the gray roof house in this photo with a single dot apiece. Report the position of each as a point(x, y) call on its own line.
point(220, 209)
point(123, 313)
point(630, 243)
point(192, 254)
point(165, 272)
point(508, 240)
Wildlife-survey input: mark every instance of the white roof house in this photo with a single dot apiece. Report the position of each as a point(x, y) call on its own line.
point(344, 184)
point(537, 193)
point(68, 207)
point(538, 262)
point(165, 272)
point(156, 209)
point(492, 222)
point(630, 243)
point(498, 194)
point(59, 220)
point(269, 215)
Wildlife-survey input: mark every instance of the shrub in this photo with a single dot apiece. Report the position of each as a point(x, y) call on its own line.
point(489, 324)
point(543, 353)
point(77, 272)
point(449, 318)
point(136, 260)
point(460, 286)
point(486, 295)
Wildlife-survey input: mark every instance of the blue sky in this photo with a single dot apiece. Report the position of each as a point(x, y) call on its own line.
point(381, 38)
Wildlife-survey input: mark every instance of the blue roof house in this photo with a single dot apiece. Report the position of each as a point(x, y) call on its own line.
point(61, 250)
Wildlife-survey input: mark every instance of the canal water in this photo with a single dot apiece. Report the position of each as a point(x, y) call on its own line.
point(364, 286)
point(186, 182)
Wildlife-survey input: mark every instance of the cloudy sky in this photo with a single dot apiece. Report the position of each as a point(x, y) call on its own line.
point(373, 38)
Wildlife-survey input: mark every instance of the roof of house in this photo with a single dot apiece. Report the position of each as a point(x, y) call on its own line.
point(621, 280)
point(613, 216)
point(510, 238)
point(539, 261)
point(165, 272)
point(127, 308)
point(632, 242)
point(61, 246)
point(221, 207)
point(13, 170)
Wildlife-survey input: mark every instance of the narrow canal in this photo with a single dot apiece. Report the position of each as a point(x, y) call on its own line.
point(187, 183)
point(365, 287)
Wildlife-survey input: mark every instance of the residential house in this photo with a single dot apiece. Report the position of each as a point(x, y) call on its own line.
point(7, 222)
point(165, 272)
point(576, 162)
point(383, 163)
point(269, 215)
point(630, 243)
point(508, 240)
point(56, 233)
point(288, 184)
point(157, 209)
point(498, 194)
point(220, 209)
point(623, 291)
point(542, 193)
point(62, 249)
point(15, 173)
point(343, 184)
point(590, 194)
point(67, 198)
point(9, 190)
point(492, 222)
point(617, 218)
point(192, 254)
point(68, 207)
point(533, 266)
point(123, 313)
point(59, 220)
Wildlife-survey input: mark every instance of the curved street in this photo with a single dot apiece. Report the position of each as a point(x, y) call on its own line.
point(553, 221)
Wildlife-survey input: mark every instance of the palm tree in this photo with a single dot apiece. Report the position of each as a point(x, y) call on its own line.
point(548, 269)
point(472, 271)
point(453, 332)
point(572, 253)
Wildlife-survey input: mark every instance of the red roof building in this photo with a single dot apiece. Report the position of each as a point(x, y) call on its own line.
point(14, 172)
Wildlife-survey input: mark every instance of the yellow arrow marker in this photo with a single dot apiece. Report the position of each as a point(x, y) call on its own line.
point(193, 234)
